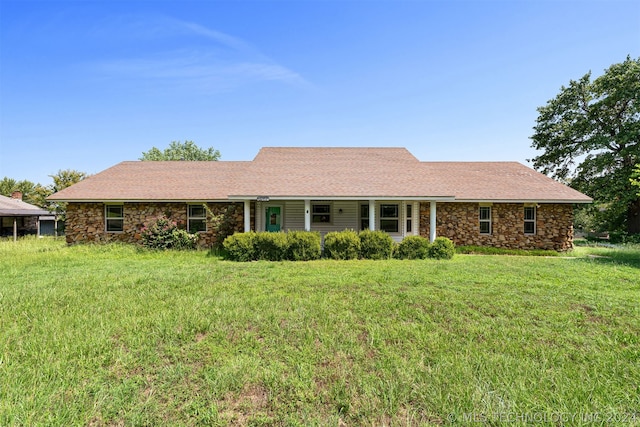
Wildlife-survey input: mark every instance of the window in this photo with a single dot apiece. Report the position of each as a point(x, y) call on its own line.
point(485, 220)
point(364, 217)
point(197, 219)
point(389, 218)
point(529, 220)
point(321, 214)
point(409, 217)
point(114, 218)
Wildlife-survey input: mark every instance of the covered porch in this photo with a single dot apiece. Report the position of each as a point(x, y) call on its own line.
point(399, 217)
point(19, 218)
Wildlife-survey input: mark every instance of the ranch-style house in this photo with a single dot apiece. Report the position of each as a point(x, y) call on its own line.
point(501, 204)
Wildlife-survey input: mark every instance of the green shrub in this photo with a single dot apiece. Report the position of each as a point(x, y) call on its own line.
point(413, 247)
point(342, 245)
point(163, 233)
point(442, 248)
point(375, 244)
point(271, 246)
point(240, 246)
point(303, 245)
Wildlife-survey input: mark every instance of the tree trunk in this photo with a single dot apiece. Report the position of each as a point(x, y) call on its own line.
point(633, 217)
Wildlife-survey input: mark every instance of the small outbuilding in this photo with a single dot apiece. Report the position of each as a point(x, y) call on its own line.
point(19, 218)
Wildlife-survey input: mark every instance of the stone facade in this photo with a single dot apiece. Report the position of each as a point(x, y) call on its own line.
point(460, 223)
point(457, 221)
point(86, 221)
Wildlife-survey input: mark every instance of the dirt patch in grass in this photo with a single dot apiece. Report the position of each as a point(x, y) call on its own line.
point(250, 403)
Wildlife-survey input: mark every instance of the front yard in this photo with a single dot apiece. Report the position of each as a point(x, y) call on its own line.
point(112, 335)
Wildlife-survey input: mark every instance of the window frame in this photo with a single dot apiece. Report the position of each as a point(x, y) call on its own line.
point(328, 214)
point(390, 219)
point(486, 220)
point(532, 221)
point(110, 219)
point(191, 217)
point(408, 218)
point(364, 216)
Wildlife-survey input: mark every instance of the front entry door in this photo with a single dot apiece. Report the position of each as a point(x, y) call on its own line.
point(274, 218)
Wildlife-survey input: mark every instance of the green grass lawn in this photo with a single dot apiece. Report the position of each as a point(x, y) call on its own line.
point(113, 335)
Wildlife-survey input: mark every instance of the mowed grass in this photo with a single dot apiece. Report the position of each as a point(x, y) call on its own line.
point(113, 335)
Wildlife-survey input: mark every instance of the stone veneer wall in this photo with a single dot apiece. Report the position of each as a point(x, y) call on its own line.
point(460, 223)
point(85, 221)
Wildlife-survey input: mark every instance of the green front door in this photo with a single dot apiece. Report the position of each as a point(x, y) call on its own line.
point(273, 218)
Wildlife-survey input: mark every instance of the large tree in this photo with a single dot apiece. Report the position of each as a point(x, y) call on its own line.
point(635, 178)
point(589, 136)
point(30, 191)
point(61, 180)
point(177, 150)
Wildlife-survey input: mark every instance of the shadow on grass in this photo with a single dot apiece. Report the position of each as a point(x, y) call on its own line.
point(629, 257)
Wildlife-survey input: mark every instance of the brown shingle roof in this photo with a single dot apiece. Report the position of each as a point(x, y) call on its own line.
point(14, 207)
point(500, 181)
point(321, 173)
point(171, 180)
point(336, 172)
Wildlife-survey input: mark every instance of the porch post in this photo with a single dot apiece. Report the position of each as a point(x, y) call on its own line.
point(15, 229)
point(432, 221)
point(372, 215)
point(247, 216)
point(307, 215)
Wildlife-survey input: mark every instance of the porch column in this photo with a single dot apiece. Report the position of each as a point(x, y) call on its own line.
point(432, 221)
point(15, 229)
point(247, 215)
point(307, 215)
point(372, 215)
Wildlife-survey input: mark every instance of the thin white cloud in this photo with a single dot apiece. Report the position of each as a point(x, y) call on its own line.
point(207, 59)
point(227, 40)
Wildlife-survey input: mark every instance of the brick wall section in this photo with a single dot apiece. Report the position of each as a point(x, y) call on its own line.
point(460, 223)
point(86, 223)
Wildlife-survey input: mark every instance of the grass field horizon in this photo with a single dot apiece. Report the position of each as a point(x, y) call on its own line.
point(105, 335)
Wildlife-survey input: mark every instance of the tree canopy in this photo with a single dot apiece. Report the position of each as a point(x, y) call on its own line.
point(30, 191)
point(635, 178)
point(61, 180)
point(36, 194)
point(589, 136)
point(177, 150)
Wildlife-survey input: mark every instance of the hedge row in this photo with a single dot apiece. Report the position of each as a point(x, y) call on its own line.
point(347, 244)
point(293, 246)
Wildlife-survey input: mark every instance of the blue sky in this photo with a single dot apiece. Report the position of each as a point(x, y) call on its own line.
point(87, 84)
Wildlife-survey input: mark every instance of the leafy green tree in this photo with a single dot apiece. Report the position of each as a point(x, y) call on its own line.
point(181, 151)
point(61, 180)
point(590, 137)
point(28, 189)
point(635, 178)
point(66, 178)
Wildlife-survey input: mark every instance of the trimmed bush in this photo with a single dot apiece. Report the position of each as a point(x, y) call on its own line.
point(375, 244)
point(240, 246)
point(162, 233)
point(342, 245)
point(303, 245)
point(413, 247)
point(271, 246)
point(442, 248)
